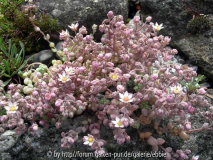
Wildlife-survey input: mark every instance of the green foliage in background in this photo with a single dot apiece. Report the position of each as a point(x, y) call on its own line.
point(15, 25)
point(198, 24)
point(192, 85)
point(11, 60)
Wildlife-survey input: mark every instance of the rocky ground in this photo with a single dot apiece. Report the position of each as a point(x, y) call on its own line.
point(197, 49)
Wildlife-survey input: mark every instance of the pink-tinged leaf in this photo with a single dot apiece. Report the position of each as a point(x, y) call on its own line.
point(62, 134)
point(168, 149)
point(95, 131)
point(154, 148)
point(160, 141)
point(152, 141)
point(84, 129)
point(168, 156)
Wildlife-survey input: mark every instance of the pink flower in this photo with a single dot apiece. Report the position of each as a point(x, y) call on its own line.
point(136, 19)
point(95, 65)
point(88, 37)
point(35, 93)
point(35, 127)
point(120, 140)
point(154, 76)
point(110, 14)
point(190, 109)
point(170, 98)
point(120, 88)
point(64, 35)
point(188, 125)
point(47, 96)
point(58, 102)
point(201, 91)
point(148, 19)
point(108, 56)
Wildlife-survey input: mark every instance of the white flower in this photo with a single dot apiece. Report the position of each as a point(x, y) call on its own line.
point(74, 27)
point(126, 97)
point(173, 70)
point(70, 70)
point(118, 122)
point(176, 89)
point(94, 28)
point(64, 34)
point(88, 140)
point(11, 108)
point(113, 76)
point(63, 77)
point(195, 158)
point(158, 27)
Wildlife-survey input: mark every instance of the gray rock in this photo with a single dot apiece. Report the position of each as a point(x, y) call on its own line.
point(198, 49)
point(7, 140)
point(86, 12)
point(5, 156)
point(173, 15)
point(47, 143)
point(58, 45)
point(44, 57)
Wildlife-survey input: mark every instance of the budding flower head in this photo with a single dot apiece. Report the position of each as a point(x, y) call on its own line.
point(149, 18)
point(35, 127)
point(201, 91)
point(94, 28)
point(37, 29)
point(136, 19)
point(52, 44)
point(110, 14)
point(205, 126)
point(188, 125)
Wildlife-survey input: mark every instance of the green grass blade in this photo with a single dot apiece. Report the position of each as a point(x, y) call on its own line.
point(9, 47)
point(6, 64)
point(6, 75)
point(17, 58)
point(13, 52)
point(23, 50)
point(7, 82)
point(4, 51)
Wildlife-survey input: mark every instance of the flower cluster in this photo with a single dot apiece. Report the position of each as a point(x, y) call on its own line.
point(97, 76)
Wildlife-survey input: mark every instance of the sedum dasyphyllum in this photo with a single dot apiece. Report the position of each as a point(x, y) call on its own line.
point(96, 75)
